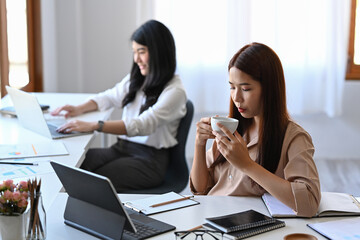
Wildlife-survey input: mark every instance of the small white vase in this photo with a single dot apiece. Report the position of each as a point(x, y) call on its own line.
point(13, 227)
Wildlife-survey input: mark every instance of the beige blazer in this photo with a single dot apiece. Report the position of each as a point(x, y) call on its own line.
point(296, 165)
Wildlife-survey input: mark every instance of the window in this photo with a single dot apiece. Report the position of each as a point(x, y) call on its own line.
point(20, 45)
point(353, 68)
point(17, 43)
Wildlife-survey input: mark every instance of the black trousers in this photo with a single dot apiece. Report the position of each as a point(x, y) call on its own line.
point(128, 165)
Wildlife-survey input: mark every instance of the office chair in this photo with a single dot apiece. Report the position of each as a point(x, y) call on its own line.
point(177, 173)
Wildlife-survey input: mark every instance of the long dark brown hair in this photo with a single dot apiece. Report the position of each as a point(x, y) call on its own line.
point(162, 63)
point(263, 65)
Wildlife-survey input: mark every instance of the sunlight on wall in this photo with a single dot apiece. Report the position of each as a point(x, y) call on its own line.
point(199, 36)
point(307, 36)
point(357, 35)
point(17, 43)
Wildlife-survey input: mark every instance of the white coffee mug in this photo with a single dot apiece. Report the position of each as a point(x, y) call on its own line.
point(229, 123)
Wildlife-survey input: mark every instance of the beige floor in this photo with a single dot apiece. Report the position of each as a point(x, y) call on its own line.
point(337, 150)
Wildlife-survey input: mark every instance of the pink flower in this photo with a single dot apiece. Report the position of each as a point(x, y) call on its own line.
point(8, 195)
point(13, 197)
point(24, 194)
point(22, 203)
point(9, 183)
point(16, 196)
point(23, 185)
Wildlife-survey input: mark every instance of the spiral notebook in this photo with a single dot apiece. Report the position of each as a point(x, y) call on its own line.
point(245, 233)
point(240, 221)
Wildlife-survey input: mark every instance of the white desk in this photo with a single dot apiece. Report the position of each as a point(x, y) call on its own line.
point(183, 219)
point(12, 133)
point(186, 218)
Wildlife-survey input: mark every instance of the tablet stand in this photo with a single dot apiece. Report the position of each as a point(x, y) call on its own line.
point(94, 220)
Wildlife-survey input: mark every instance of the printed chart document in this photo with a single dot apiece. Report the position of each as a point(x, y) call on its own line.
point(28, 150)
point(145, 205)
point(339, 229)
point(12, 171)
point(331, 204)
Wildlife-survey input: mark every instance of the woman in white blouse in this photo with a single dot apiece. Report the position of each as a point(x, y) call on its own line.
point(153, 100)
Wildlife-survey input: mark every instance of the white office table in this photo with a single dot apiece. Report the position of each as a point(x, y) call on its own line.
point(183, 219)
point(186, 218)
point(12, 133)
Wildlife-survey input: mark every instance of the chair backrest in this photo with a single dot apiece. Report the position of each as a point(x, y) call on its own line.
point(177, 174)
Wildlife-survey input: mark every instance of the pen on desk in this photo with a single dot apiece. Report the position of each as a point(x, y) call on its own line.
point(171, 201)
point(194, 228)
point(34, 149)
point(186, 232)
point(18, 163)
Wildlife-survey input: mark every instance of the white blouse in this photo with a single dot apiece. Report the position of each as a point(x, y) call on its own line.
point(157, 126)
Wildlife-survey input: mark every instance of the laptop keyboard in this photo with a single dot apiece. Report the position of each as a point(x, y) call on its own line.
point(143, 231)
point(49, 117)
point(53, 131)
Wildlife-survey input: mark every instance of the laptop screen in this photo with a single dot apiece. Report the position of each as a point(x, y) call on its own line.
point(31, 117)
point(28, 111)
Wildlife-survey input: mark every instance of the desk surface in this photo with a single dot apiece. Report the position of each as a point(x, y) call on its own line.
point(186, 218)
point(13, 133)
point(183, 219)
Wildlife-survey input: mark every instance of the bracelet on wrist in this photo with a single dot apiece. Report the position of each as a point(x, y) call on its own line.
point(101, 125)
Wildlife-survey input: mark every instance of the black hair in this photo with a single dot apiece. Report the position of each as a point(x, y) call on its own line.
point(162, 63)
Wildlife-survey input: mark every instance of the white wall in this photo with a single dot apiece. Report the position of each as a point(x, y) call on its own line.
point(48, 18)
point(351, 100)
point(87, 46)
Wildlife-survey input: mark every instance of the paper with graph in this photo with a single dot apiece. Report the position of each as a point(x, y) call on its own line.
point(28, 150)
point(11, 171)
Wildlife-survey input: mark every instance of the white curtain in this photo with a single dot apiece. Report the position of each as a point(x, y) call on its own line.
point(310, 37)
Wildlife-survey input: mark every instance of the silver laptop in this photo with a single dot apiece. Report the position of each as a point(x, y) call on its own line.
point(31, 117)
point(94, 207)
